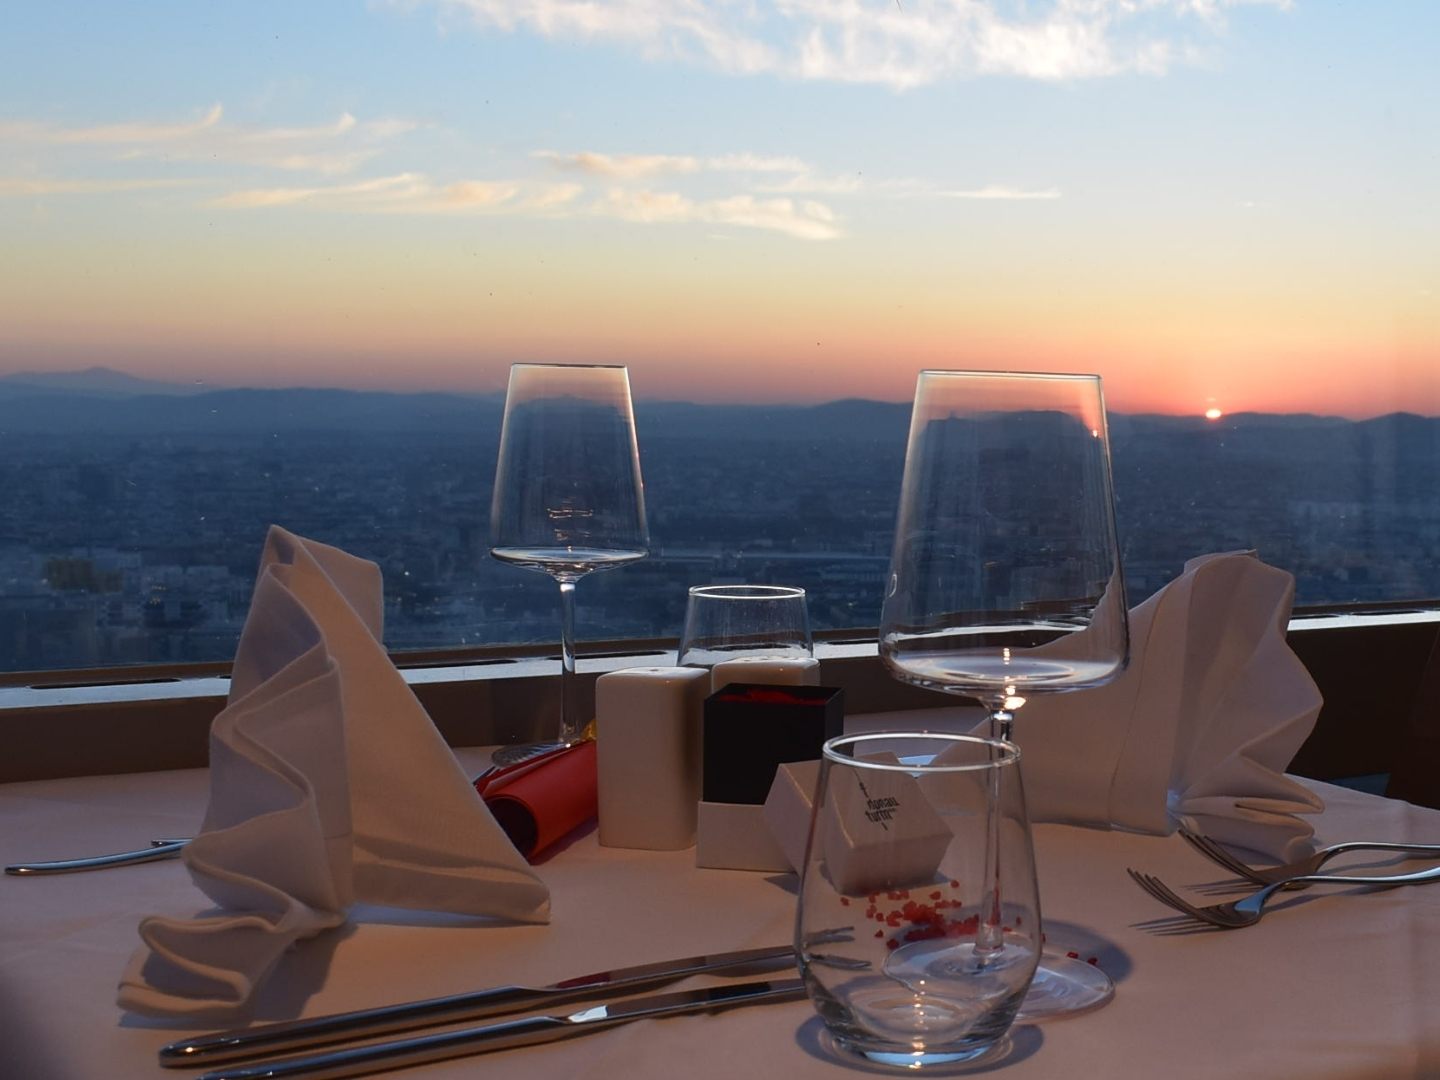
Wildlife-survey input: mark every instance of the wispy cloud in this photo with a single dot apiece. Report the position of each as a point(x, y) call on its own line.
point(756, 163)
point(338, 147)
point(12, 187)
point(414, 193)
point(802, 219)
point(377, 192)
point(809, 183)
point(802, 179)
point(1001, 191)
point(902, 46)
point(626, 166)
point(758, 168)
point(777, 176)
point(140, 132)
point(331, 150)
point(411, 193)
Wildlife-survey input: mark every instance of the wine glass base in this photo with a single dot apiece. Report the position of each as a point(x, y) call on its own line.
point(1064, 986)
point(872, 1052)
point(522, 752)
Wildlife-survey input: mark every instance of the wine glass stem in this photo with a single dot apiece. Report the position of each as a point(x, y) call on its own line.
point(569, 715)
point(1002, 723)
point(990, 934)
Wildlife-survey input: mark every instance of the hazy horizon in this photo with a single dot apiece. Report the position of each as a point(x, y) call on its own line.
point(204, 386)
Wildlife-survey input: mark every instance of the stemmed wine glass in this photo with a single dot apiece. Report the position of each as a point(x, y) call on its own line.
point(1005, 579)
point(568, 495)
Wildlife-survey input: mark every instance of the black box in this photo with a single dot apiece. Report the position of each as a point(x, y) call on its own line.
point(752, 729)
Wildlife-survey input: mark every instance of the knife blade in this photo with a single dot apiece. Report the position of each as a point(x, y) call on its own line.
point(420, 1049)
point(154, 852)
point(474, 1005)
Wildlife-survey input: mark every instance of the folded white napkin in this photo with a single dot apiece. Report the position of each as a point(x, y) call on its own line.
point(1199, 727)
point(328, 783)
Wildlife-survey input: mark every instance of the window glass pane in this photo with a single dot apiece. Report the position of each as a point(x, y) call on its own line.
point(270, 262)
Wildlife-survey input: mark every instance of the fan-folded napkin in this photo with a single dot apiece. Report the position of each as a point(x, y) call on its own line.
point(328, 784)
point(1198, 728)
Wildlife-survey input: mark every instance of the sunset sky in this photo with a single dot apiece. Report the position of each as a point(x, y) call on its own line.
point(1224, 204)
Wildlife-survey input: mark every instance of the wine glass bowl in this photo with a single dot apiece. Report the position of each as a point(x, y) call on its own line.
point(1005, 578)
point(568, 497)
point(726, 622)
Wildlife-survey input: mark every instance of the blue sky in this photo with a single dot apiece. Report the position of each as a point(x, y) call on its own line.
point(1201, 199)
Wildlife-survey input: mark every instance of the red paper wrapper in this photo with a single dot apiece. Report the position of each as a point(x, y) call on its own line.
point(543, 804)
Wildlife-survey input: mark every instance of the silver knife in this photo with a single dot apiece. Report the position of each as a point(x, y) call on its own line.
point(168, 849)
point(420, 1049)
point(495, 1001)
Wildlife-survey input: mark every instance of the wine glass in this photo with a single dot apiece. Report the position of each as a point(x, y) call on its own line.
point(568, 496)
point(1005, 578)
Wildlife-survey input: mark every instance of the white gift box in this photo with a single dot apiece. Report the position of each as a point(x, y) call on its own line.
point(734, 836)
point(879, 831)
point(788, 808)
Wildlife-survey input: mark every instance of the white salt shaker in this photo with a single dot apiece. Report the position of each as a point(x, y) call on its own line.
point(766, 670)
point(647, 743)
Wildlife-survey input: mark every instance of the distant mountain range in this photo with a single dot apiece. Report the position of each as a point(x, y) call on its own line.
point(104, 401)
point(92, 382)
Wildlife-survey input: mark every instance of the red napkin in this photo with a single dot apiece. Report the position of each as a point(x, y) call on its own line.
point(539, 806)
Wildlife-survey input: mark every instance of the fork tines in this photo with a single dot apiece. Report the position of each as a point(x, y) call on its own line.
point(1162, 892)
point(1217, 854)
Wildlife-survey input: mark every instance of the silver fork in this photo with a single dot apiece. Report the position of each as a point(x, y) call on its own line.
point(1246, 911)
point(1269, 875)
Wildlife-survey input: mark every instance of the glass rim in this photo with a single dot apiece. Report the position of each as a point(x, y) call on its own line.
point(1009, 752)
point(1078, 376)
point(748, 592)
point(540, 364)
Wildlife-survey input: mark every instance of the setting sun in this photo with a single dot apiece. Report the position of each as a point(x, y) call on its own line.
point(1213, 413)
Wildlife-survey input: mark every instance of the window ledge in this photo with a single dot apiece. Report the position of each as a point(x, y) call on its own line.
point(160, 719)
point(41, 694)
point(44, 694)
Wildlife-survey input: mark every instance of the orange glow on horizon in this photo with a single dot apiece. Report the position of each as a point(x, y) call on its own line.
point(732, 329)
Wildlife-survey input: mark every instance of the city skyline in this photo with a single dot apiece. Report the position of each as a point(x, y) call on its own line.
point(134, 522)
point(1214, 204)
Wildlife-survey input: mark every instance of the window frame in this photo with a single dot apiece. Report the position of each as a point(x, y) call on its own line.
point(157, 717)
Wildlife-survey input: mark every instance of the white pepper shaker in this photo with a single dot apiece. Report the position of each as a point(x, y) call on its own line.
point(647, 734)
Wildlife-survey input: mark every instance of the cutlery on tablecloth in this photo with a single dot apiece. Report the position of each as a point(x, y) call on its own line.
point(1246, 911)
point(169, 848)
point(366, 1023)
point(355, 1061)
point(158, 849)
point(1269, 875)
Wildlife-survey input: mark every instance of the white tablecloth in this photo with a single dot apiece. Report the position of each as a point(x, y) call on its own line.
point(1336, 986)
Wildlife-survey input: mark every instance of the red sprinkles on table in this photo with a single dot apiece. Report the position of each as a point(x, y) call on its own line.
point(923, 921)
point(918, 920)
